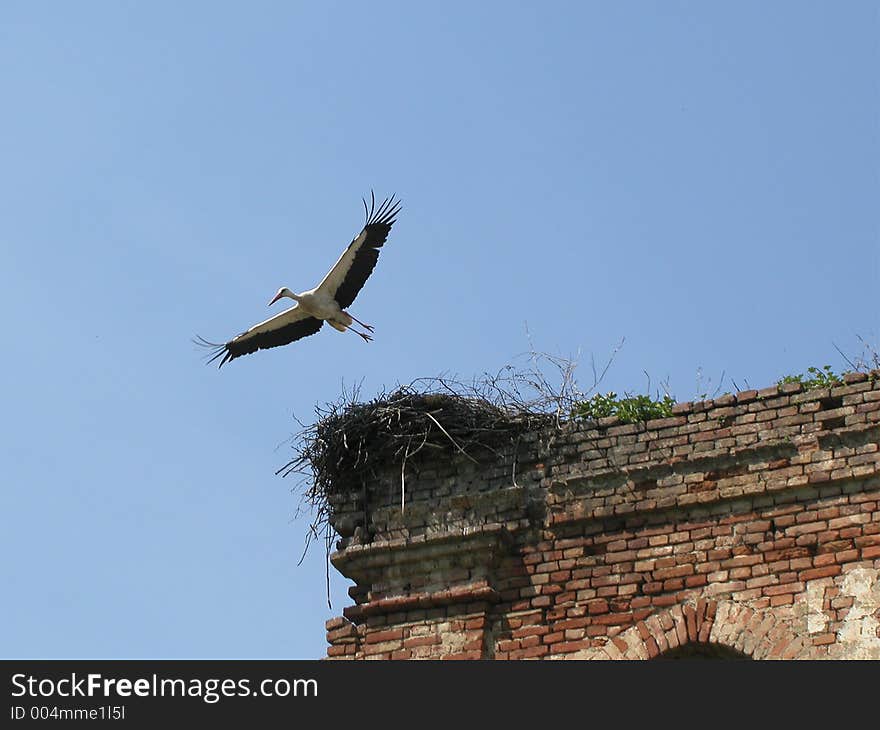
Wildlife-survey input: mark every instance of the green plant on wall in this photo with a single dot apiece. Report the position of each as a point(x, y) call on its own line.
point(815, 378)
point(628, 410)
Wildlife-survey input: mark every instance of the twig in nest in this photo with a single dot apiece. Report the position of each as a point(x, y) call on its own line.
point(454, 443)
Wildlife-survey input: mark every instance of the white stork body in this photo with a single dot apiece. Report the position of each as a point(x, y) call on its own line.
point(327, 301)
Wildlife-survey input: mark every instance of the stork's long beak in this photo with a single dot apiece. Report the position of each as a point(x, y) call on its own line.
point(274, 299)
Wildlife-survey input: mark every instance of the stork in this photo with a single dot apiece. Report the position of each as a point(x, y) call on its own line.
point(328, 301)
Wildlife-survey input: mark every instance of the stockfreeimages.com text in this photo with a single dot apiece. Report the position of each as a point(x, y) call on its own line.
point(210, 690)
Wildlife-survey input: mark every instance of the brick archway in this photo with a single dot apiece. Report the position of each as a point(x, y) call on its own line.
point(758, 634)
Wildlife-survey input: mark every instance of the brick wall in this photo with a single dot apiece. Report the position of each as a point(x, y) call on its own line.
point(747, 525)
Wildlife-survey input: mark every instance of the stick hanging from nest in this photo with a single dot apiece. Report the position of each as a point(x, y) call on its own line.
point(403, 478)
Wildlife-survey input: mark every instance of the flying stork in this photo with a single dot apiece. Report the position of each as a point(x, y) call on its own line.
point(328, 301)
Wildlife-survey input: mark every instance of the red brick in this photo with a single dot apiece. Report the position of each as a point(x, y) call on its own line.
point(621, 557)
point(846, 556)
point(783, 589)
point(378, 654)
point(823, 639)
point(573, 623)
point(814, 573)
point(691, 621)
point(848, 521)
point(806, 528)
point(376, 637)
point(613, 619)
point(567, 647)
point(342, 635)
point(524, 631)
point(681, 631)
point(336, 623)
point(676, 572)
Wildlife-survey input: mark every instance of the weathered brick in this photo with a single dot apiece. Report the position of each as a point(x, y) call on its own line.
point(376, 637)
point(598, 606)
point(814, 573)
point(567, 647)
point(823, 639)
point(776, 590)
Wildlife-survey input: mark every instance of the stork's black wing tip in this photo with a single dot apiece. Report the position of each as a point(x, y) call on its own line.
point(217, 350)
point(386, 212)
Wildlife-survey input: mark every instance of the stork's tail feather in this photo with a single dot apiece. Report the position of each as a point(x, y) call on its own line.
point(386, 212)
point(217, 350)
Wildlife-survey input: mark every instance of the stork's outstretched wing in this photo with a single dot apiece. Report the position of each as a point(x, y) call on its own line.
point(290, 325)
point(354, 267)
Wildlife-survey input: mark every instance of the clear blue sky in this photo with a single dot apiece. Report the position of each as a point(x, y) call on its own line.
point(699, 178)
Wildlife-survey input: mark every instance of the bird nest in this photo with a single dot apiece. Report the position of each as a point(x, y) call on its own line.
point(352, 442)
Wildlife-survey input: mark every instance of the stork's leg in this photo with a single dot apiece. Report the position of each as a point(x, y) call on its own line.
point(365, 326)
point(366, 337)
